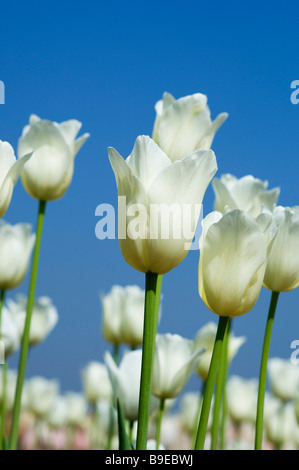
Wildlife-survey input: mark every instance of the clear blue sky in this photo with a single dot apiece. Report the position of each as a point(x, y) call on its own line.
point(106, 64)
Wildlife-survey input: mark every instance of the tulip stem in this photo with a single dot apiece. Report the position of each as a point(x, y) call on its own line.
point(26, 333)
point(152, 286)
point(220, 384)
point(4, 377)
point(212, 375)
point(263, 372)
point(224, 404)
point(159, 422)
point(199, 405)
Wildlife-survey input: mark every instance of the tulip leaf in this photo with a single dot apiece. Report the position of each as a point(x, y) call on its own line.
point(5, 444)
point(124, 441)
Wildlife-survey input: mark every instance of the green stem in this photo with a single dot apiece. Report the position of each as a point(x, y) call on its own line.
point(263, 372)
point(26, 333)
point(115, 353)
point(131, 429)
point(224, 402)
point(196, 422)
point(220, 382)
point(159, 422)
point(148, 351)
point(4, 377)
point(213, 370)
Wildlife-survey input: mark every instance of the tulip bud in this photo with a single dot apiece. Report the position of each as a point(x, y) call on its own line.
point(154, 188)
point(184, 125)
point(16, 244)
point(282, 271)
point(248, 194)
point(233, 254)
point(242, 399)
point(40, 395)
point(283, 378)
point(9, 333)
point(76, 409)
point(10, 170)
point(175, 360)
point(54, 148)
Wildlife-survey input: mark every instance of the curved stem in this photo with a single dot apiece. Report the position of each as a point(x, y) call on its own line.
point(213, 371)
point(220, 384)
point(263, 372)
point(196, 422)
point(148, 350)
point(159, 422)
point(26, 333)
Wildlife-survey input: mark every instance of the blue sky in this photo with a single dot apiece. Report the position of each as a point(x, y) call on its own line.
point(106, 64)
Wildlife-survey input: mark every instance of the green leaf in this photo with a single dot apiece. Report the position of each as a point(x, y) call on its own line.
point(124, 441)
point(5, 444)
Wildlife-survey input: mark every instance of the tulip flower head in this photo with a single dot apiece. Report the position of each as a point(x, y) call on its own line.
point(54, 148)
point(233, 255)
point(175, 360)
point(40, 395)
point(248, 194)
point(96, 382)
point(282, 271)
point(283, 378)
point(10, 170)
point(16, 244)
point(10, 337)
point(184, 125)
point(152, 185)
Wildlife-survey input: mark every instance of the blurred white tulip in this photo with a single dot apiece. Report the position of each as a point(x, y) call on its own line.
point(16, 244)
point(175, 360)
point(125, 379)
point(123, 315)
point(40, 394)
point(248, 194)
point(44, 317)
point(76, 409)
point(283, 378)
point(49, 172)
point(242, 399)
point(205, 338)
point(57, 415)
point(184, 125)
point(9, 333)
point(96, 382)
point(10, 170)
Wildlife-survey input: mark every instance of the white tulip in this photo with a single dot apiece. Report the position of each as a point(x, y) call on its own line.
point(123, 315)
point(155, 188)
point(9, 333)
point(282, 271)
point(191, 404)
point(104, 414)
point(242, 398)
point(184, 125)
point(96, 382)
point(40, 395)
point(125, 380)
point(44, 317)
point(175, 360)
point(248, 194)
point(205, 338)
point(49, 172)
point(11, 383)
point(57, 415)
point(233, 255)
point(76, 409)
point(283, 378)
point(10, 170)
point(281, 426)
point(16, 244)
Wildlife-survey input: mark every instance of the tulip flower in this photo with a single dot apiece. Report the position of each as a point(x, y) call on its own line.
point(57, 415)
point(242, 398)
point(54, 148)
point(233, 255)
point(40, 395)
point(125, 380)
point(205, 338)
point(282, 271)
point(76, 409)
point(16, 244)
point(150, 182)
point(248, 194)
point(44, 317)
point(123, 315)
point(281, 275)
point(281, 427)
point(10, 170)
point(283, 378)
point(9, 333)
point(96, 382)
point(184, 125)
